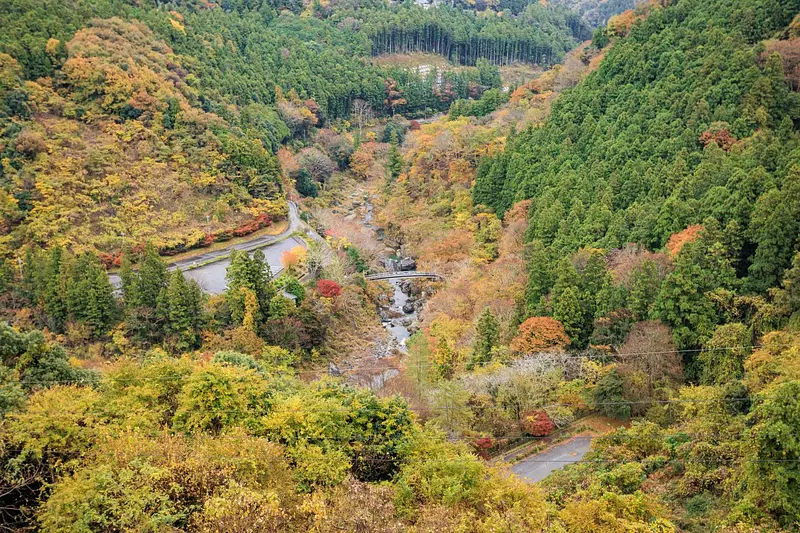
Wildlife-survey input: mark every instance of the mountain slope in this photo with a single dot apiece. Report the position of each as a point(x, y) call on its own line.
point(688, 117)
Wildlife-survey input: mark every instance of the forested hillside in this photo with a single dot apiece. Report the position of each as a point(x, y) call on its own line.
point(630, 246)
point(194, 102)
point(605, 226)
point(679, 128)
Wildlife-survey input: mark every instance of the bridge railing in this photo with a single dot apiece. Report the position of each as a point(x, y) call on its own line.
point(403, 274)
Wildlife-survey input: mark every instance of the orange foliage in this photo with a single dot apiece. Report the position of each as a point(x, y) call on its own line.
point(539, 333)
point(621, 24)
point(363, 160)
point(677, 240)
point(518, 211)
point(292, 258)
point(723, 138)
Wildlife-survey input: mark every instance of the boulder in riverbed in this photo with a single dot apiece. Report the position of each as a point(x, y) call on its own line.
point(407, 264)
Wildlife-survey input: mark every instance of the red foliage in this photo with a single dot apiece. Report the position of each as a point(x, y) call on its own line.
point(328, 288)
point(254, 225)
point(414, 125)
point(110, 260)
point(723, 138)
point(482, 445)
point(537, 423)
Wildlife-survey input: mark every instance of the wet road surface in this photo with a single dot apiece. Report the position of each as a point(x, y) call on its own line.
point(538, 466)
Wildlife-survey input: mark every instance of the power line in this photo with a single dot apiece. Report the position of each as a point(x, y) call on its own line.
point(468, 459)
point(354, 371)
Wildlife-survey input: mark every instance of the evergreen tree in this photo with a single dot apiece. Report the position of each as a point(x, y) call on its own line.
point(700, 267)
point(145, 317)
point(181, 305)
point(254, 275)
point(97, 307)
point(569, 310)
point(644, 289)
point(609, 396)
point(150, 279)
point(395, 162)
point(540, 279)
point(304, 183)
point(775, 228)
point(487, 334)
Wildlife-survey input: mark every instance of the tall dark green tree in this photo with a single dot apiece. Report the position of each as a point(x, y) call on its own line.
point(487, 334)
point(540, 279)
point(775, 228)
point(683, 302)
point(142, 299)
point(645, 284)
point(181, 305)
point(395, 162)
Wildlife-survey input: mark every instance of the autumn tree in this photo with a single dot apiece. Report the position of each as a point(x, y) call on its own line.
point(361, 113)
point(537, 423)
point(723, 356)
point(539, 333)
point(649, 349)
point(773, 471)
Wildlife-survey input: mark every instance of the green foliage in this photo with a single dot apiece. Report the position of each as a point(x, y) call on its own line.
point(246, 273)
point(652, 142)
point(609, 396)
point(645, 284)
point(487, 335)
point(538, 34)
point(67, 289)
point(304, 183)
point(774, 473)
point(700, 267)
point(12, 396)
point(37, 362)
point(489, 101)
point(723, 355)
point(394, 164)
point(181, 304)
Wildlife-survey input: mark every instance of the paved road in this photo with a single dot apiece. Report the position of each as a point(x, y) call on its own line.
point(211, 277)
point(259, 242)
point(537, 467)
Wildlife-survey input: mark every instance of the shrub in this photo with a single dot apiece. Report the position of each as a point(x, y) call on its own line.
point(537, 423)
point(328, 288)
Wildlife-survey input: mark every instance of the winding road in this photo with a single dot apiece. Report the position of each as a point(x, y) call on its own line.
point(538, 466)
point(208, 269)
